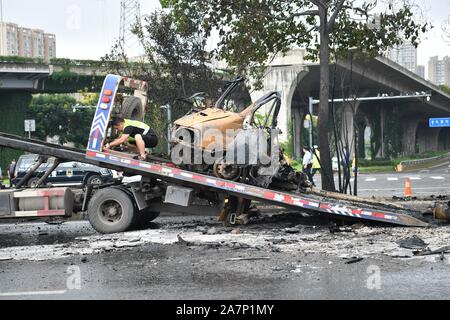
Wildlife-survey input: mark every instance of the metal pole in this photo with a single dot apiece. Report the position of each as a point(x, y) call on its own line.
point(2, 29)
point(311, 126)
point(169, 127)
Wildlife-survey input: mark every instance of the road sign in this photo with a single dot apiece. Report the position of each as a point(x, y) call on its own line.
point(30, 125)
point(439, 122)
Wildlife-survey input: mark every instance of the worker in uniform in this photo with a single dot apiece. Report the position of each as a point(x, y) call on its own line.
point(134, 133)
point(1, 179)
point(308, 163)
point(316, 161)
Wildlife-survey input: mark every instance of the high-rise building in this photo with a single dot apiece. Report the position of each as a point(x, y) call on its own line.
point(9, 39)
point(38, 43)
point(439, 70)
point(420, 71)
point(25, 42)
point(49, 45)
point(405, 55)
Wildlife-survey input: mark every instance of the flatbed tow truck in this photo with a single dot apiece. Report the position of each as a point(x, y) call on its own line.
point(165, 188)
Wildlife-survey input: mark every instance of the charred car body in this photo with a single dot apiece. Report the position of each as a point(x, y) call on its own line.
point(234, 142)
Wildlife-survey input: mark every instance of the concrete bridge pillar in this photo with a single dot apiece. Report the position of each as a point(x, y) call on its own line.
point(444, 139)
point(427, 138)
point(348, 128)
point(409, 130)
point(349, 123)
point(298, 116)
point(284, 80)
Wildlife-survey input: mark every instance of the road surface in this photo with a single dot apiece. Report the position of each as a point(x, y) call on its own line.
point(434, 181)
point(280, 255)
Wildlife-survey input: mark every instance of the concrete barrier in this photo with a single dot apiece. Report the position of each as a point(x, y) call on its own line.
point(427, 163)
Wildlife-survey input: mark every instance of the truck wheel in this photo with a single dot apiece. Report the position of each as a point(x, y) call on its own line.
point(132, 108)
point(111, 210)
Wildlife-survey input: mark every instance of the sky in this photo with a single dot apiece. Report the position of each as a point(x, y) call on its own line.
point(86, 29)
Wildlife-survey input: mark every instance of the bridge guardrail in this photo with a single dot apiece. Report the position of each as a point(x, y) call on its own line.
point(421, 163)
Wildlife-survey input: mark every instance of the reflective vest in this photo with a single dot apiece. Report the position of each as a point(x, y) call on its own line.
point(316, 160)
point(136, 124)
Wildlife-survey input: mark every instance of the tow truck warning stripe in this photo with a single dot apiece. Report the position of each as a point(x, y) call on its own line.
point(40, 213)
point(278, 197)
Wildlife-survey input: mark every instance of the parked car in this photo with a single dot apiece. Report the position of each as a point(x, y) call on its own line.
point(66, 174)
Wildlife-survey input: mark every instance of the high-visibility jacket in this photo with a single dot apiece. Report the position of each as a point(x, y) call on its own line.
point(316, 159)
point(136, 124)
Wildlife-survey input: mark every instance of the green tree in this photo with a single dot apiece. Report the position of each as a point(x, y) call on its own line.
point(254, 31)
point(55, 116)
point(175, 65)
point(445, 88)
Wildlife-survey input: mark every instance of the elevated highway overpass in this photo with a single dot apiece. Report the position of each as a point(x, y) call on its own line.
point(400, 124)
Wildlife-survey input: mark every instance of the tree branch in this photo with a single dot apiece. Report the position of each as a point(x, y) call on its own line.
point(306, 13)
point(318, 3)
point(333, 17)
point(361, 11)
point(291, 17)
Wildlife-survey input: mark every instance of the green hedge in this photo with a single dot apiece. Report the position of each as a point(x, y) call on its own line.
point(13, 107)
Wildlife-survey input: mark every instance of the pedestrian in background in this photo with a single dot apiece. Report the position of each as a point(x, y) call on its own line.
point(1, 179)
point(11, 171)
point(308, 163)
point(316, 161)
point(354, 167)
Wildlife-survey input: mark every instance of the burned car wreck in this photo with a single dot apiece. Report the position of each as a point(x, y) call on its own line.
point(235, 142)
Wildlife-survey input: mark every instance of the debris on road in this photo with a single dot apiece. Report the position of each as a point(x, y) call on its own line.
point(6, 258)
point(428, 252)
point(212, 231)
point(354, 260)
point(292, 230)
point(442, 213)
point(247, 259)
point(267, 236)
point(182, 241)
point(413, 243)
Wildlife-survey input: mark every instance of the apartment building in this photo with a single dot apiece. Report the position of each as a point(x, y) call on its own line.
point(26, 42)
point(405, 55)
point(439, 70)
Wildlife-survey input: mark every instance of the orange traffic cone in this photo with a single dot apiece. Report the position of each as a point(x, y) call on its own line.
point(408, 191)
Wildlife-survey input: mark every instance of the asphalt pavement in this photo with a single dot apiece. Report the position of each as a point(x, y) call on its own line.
point(425, 182)
point(278, 256)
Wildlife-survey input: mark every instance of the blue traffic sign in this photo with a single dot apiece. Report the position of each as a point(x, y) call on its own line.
point(439, 122)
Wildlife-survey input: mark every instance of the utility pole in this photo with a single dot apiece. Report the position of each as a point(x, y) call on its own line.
point(1, 23)
point(130, 14)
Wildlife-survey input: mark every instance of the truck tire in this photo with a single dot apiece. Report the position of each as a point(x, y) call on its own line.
point(132, 109)
point(111, 210)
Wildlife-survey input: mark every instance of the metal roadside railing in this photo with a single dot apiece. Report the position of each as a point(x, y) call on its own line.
point(426, 163)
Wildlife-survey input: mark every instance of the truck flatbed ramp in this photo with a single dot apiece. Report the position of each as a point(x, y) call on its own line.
point(301, 202)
